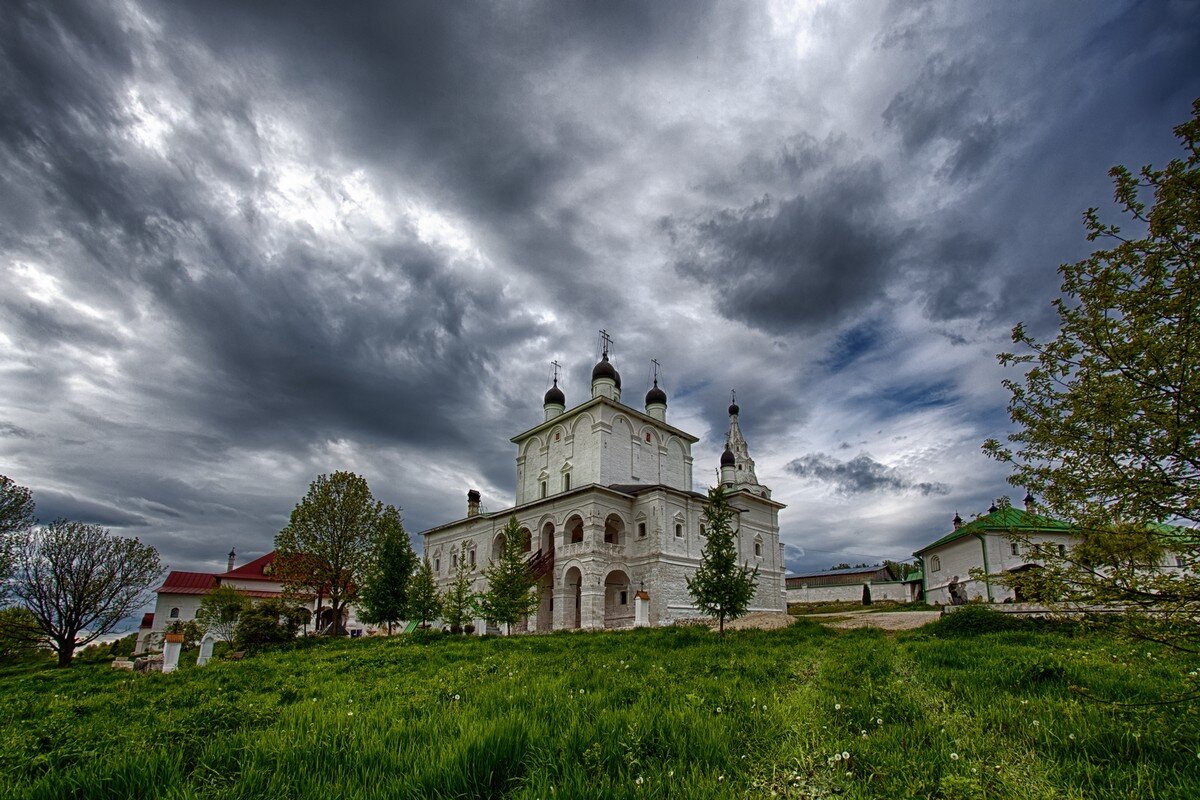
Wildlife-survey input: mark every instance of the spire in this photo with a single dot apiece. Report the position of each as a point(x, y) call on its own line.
point(743, 463)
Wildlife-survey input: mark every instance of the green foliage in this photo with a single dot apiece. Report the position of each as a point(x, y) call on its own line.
point(974, 619)
point(19, 636)
point(16, 516)
point(424, 603)
point(384, 596)
point(1004, 716)
point(268, 622)
point(331, 540)
point(220, 610)
point(1108, 412)
point(508, 598)
point(80, 582)
point(720, 587)
point(459, 602)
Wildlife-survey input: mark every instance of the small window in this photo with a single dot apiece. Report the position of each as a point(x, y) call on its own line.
point(702, 531)
point(935, 564)
point(543, 488)
point(624, 598)
point(678, 530)
point(454, 561)
point(1179, 561)
point(174, 613)
point(1062, 551)
point(647, 436)
point(641, 530)
point(557, 435)
point(1016, 549)
point(758, 547)
point(471, 555)
point(566, 482)
point(437, 565)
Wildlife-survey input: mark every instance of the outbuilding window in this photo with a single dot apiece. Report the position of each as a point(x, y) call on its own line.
point(1016, 549)
point(678, 530)
point(641, 530)
point(174, 613)
point(935, 563)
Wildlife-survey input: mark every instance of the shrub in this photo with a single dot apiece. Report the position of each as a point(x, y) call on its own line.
point(263, 624)
point(974, 619)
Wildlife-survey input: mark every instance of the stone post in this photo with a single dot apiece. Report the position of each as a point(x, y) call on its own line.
point(591, 605)
point(206, 650)
point(641, 609)
point(172, 644)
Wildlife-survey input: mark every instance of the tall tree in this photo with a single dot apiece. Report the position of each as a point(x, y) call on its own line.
point(424, 603)
point(16, 516)
point(330, 541)
point(220, 611)
point(458, 604)
point(384, 594)
point(720, 587)
point(79, 582)
point(508, 598)
point(1108, 412)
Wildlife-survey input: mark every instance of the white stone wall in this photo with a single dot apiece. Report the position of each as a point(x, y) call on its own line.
point(890, 590)
point(961, 556)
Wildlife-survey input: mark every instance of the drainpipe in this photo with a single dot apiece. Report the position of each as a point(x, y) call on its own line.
point(924, 579)
point(987, 571)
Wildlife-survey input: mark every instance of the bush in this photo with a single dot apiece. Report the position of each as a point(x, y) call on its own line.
point(974, 619)
point(270, 622)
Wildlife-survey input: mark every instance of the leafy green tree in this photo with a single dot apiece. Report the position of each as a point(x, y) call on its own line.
point(1108, 412)
point(79, 582)
point(20, 638)
point(459, 602)
point(508, 598)
point(330, 541)
point(269, 622)
point(720, 587)
point(220, 611)
point(424, 603)
point(16, 516)
point(384, 595)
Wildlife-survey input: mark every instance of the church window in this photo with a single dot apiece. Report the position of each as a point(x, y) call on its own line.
point(471, 556)
point(174, 613)
point(702, 531)
point(437, 565)
point(557, 435)
point(454, 561)
point(543, 489)
point(1016, 549)
point(566, 481)
point(647, 436)
point(758, 547)
point(624, 598)
point(641, 530)
point(678, 530)
point(1062, 551)
point(935, 564)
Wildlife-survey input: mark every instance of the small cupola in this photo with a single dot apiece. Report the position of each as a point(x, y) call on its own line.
point(728, 467)
point(473, 499)
point(1029, 502)
point(957, 521)
point(232, 556)
point(606, 381)
point(656, 398)
point(555, 402)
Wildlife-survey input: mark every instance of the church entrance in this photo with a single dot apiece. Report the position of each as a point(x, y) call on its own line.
point(618, 600)
point(572, 583)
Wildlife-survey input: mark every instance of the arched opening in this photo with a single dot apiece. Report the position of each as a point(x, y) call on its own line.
point(545, 610)
point(575, 529)
point(614, 529)
point(618, 600)
point(546, 542)
point(498, 544)
point(572, 583)
point(526, 540)
point(174, 613)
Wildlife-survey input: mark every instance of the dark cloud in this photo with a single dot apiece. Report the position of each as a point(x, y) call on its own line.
point(52, 505)
point(860, 475)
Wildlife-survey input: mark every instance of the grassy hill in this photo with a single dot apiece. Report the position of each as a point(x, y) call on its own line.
point(800, 712)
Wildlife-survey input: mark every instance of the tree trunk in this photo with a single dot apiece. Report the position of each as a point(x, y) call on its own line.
point(66, 652)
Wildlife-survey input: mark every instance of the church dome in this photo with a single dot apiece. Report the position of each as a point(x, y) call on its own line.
point(727, 458)
point(605, 369)
point(554, 395)
point(656, 395)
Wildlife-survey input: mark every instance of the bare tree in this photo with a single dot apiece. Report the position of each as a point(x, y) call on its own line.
point(79, 582)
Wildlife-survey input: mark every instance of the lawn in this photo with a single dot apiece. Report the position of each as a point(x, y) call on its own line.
point(799, 712)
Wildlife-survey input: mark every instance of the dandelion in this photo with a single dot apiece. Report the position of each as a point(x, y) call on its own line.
point(845, 755)
point(639, 780)
point(720, 777)
point(349, 713)
point(457, 697)
point(1036, 723)
point(1071, 736)
point(671, 774)
point(764, 708)
point(837, 706)
point(718, 709)
point(954, 756)
point(879, 721)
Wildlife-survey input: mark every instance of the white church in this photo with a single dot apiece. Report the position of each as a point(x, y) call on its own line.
point(611, 521)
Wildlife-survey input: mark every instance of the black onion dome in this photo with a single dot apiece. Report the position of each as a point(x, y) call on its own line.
point(605, 369)
point(554, 395)
point(733, 409)
point(656, 395)
point(727, 459)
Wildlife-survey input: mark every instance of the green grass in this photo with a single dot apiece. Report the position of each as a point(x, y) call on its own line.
point(996, 715)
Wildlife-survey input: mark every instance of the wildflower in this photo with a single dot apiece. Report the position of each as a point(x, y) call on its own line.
point(718, 709)
point(639, 780)
point(457, 697)
point(879, 721)
point(837, 706)
point(349, 713)
point(671, 774)
point(1071, 736)
point(845, 755)
point(954, 756)
point(1036, 723)
point(720, 777)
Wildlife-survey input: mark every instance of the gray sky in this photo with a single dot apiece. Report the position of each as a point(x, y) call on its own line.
point(242, 244)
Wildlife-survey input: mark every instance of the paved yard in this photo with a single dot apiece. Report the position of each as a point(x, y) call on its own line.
point(887, 620)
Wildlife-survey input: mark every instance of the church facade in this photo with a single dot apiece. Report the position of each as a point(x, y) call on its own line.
point(610, 520)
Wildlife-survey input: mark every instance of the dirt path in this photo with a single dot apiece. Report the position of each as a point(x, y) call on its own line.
point(887, 620)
